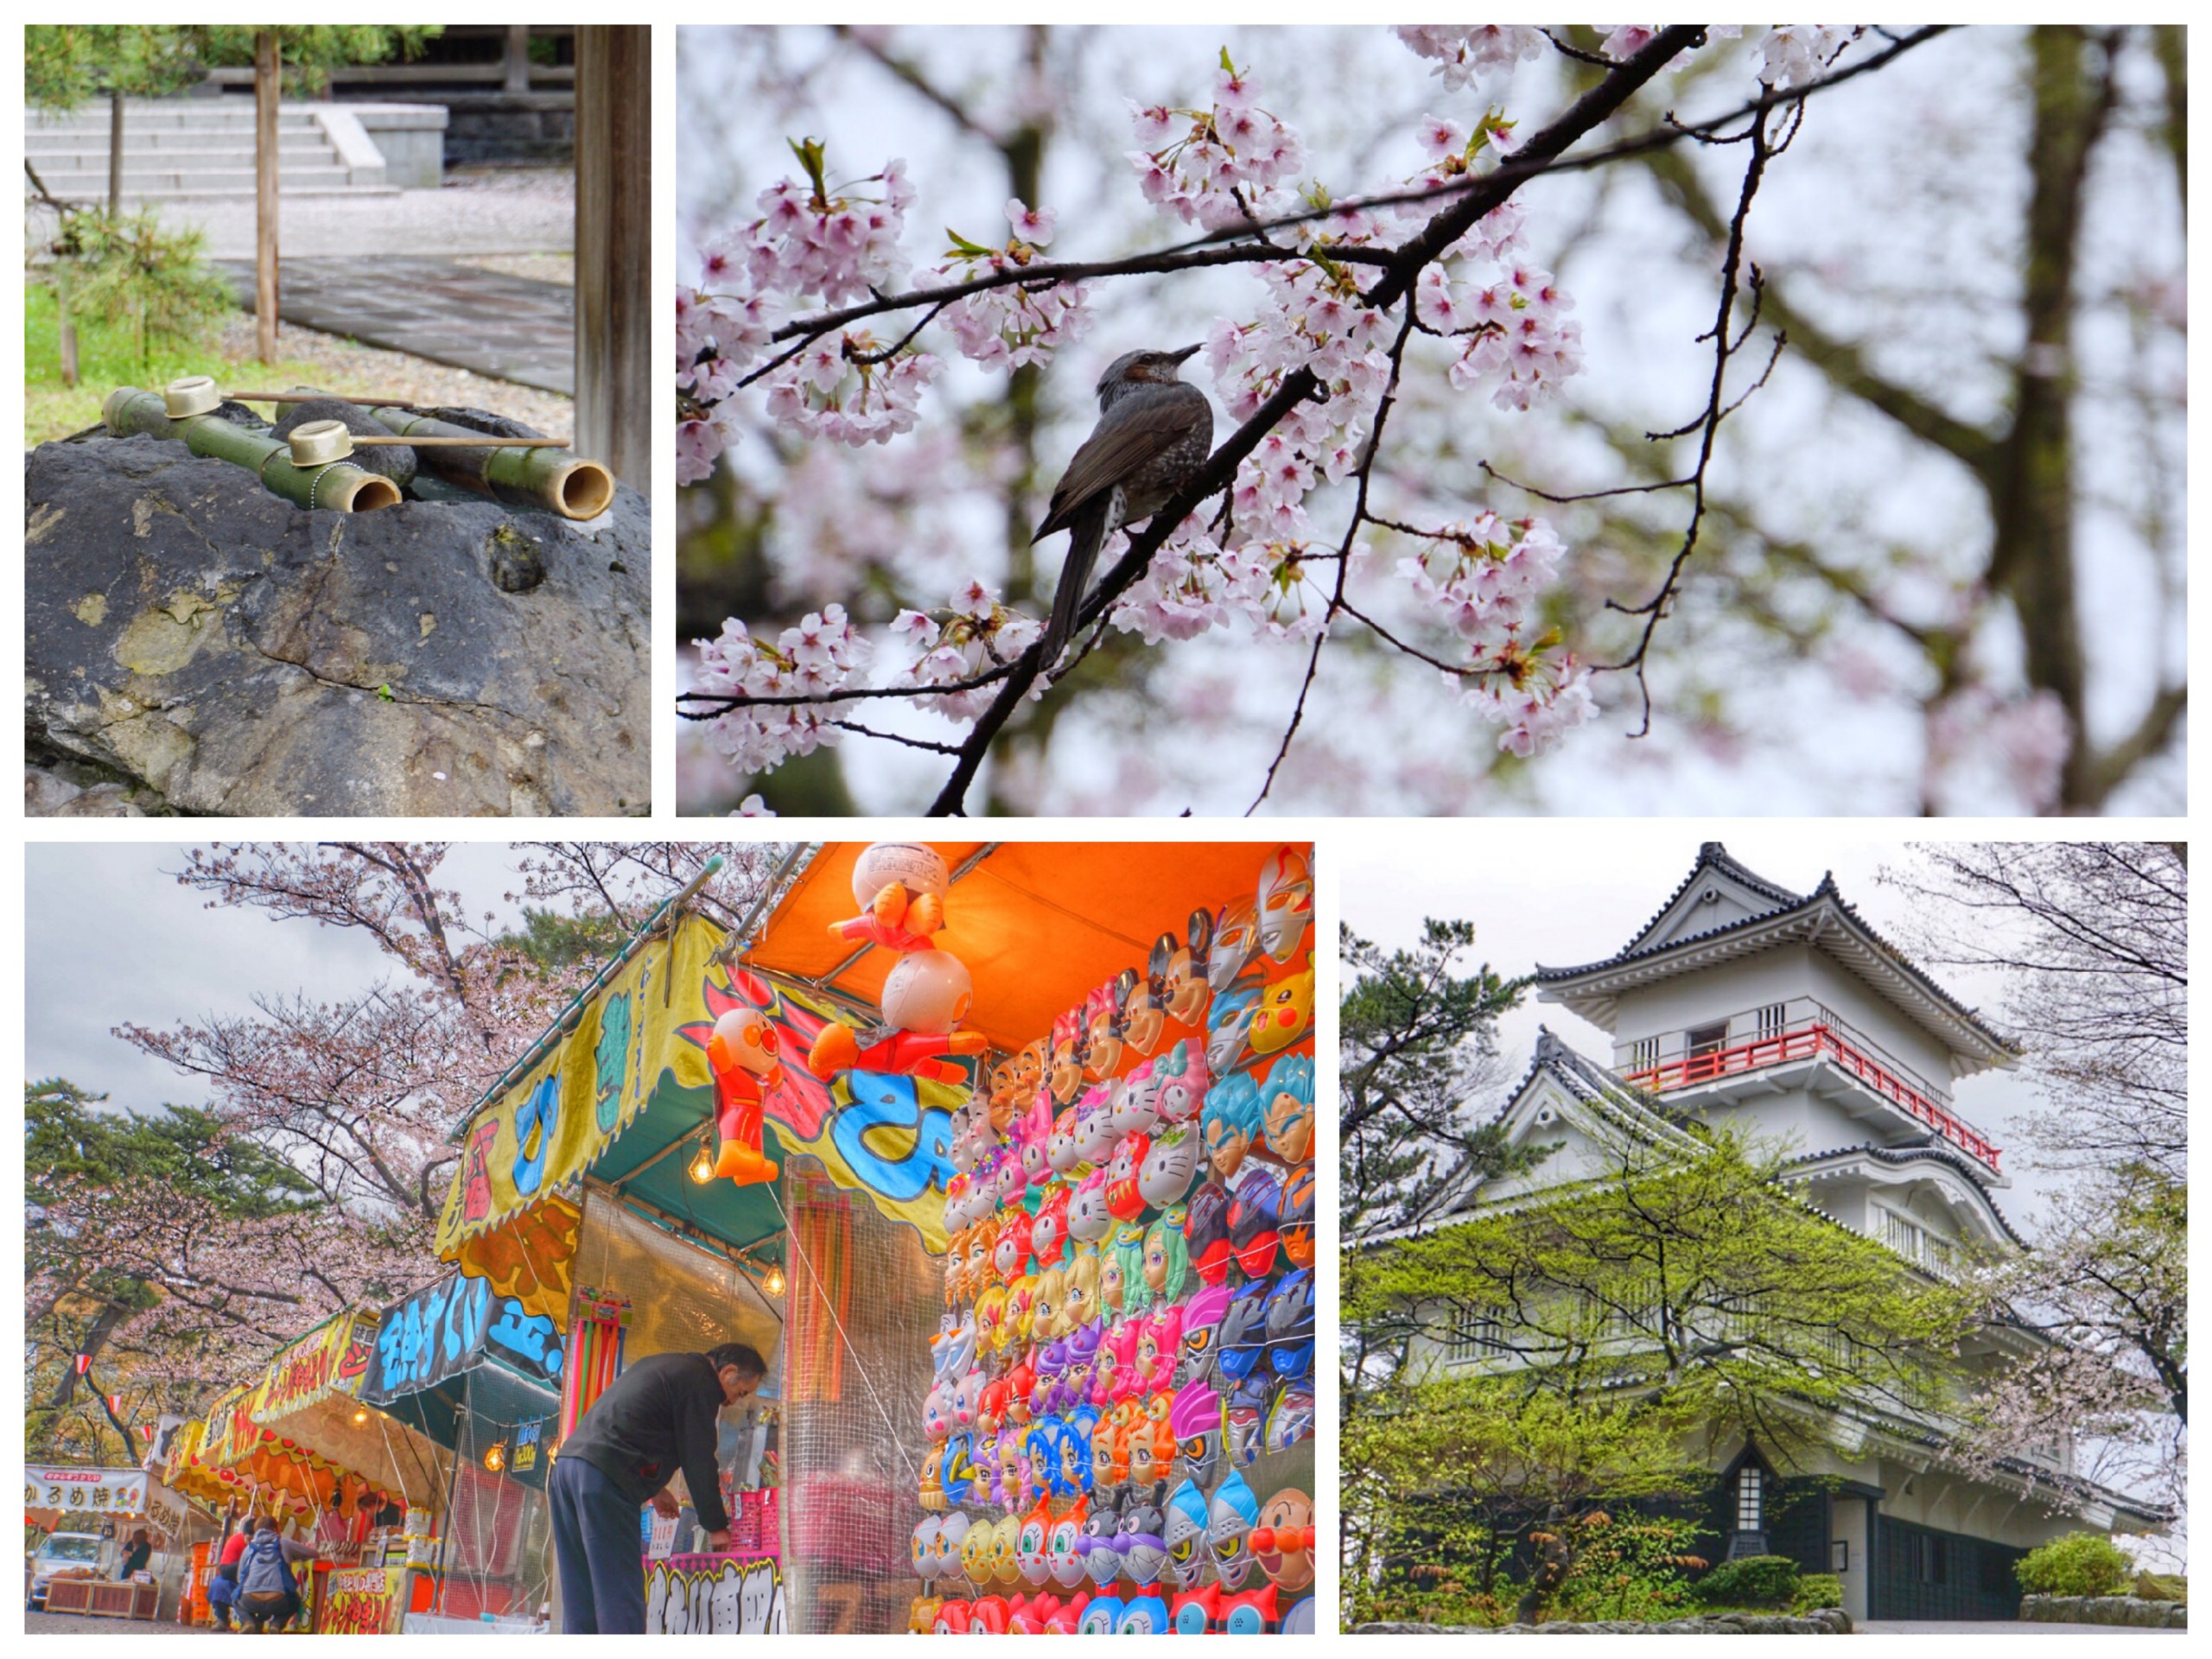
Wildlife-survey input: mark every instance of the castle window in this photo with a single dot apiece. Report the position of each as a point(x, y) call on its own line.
point(1774, 1018)
point(1707, 1040)
point(1472, 1335)
point(1644, 1054)
point(1748, 1495)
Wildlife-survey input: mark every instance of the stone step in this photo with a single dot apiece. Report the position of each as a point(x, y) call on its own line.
point(150, 179)
point(166, 116)
point(191, 143)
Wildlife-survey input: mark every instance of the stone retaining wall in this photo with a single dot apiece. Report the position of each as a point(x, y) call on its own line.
point(1829, 1621)
point(2105, 1609)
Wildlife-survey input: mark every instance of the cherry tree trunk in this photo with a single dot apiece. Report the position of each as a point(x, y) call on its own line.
point(265, 90)
point(614, 239)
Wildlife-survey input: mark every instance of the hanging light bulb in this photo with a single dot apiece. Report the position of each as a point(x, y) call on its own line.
point(772, 1281)
point(495, 1456)
point(703, 1167)
point(360, 1415)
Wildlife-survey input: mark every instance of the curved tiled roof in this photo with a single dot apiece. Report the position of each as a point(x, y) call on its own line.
point(1931, 1151)
point(1712, 855)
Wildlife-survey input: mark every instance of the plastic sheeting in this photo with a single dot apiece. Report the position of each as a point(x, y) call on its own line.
point(863, 1309)
point(682, 1297)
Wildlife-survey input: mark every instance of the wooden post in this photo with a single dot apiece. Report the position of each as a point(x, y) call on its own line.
point(614, 239)
point(266, 84)
point(517, 58)
point(114, 153)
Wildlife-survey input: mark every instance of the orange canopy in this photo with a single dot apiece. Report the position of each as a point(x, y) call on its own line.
point(1038, 923)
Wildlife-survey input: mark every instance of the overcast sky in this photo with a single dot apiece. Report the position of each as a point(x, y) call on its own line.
point(110, 936)
point(1566, 892)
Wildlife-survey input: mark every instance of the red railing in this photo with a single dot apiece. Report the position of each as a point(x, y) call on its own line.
point(1821, 1039)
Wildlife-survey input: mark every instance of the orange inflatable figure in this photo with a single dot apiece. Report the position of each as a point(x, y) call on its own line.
point(742, 1054)
point(899, 886)
point(925, 998)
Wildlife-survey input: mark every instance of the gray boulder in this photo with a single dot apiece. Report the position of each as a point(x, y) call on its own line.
point(187, 632)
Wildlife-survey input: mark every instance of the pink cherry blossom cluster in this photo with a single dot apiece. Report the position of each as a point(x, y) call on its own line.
point(847, 389)
point(1006, 328)
point(1469, 54)
point(842, 247)
point(1195, 584)
point(1484, 578)
point(976, 634)
point(1225, 166)
point(818, 657)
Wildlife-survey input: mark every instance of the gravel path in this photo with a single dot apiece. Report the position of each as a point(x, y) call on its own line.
point(341, 366)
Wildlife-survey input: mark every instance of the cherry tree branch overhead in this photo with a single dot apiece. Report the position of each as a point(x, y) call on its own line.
point(1475, 596)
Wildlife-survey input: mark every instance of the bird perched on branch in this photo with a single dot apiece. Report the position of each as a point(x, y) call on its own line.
point(1153, 433)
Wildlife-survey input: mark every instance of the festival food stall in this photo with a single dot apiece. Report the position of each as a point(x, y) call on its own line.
point(752, 1136)
point(86, 1514)
point(477, 1378)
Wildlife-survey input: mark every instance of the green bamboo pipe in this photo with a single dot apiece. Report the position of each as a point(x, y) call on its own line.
point(552, 477)
point(339, 486)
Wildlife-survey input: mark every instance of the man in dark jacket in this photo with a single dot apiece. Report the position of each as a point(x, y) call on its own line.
point(658, 1417)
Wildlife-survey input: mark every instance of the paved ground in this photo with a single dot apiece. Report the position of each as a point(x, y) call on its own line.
point(1946, 1627)
point(509, 327)
point(77, 1624)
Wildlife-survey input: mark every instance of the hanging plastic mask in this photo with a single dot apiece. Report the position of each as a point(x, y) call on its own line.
point(926, 1555)
point(1231, 1124)
point(1283, 1013)
point(1236, 939)
point(1143, 1544)
point(1063, 1547)
point(1090, 1219)
point(1286, 902)
point(1189, 1560)
point(1206, 1231)
point(1182, 1078)
point(1229, 1023)
point(1290, 1326)
point(1170, 1165)
point(1094, 1123)
point(1064, 1076)
point(1231, 1516)
point(1298, 1216)
point(1180, 967)
point(1196, 1419)
point(1287, 1109)
point(1122, 1196)
point(1144, 1015)
point(1201, 1327)
point(1104, 1012)
point(1048, 1232)
point(1290, 1416)
point(1254, 1204)
point(1134, 1101)
point(1142, 1616)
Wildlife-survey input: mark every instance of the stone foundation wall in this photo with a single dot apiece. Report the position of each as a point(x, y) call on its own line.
point(2105, 1609)
point(1829, 1621)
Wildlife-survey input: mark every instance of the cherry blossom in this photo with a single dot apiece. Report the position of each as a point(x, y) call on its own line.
point(1792, 54)
point(1006, 328)
point(1224, 168)
point(819, 656)
point(1470, 54)
point(976, 633)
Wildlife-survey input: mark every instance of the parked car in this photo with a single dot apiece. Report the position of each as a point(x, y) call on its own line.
point(68, 1554)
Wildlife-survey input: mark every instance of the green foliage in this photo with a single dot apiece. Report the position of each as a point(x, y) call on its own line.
point(1411, 1029)
point(309, 52)
point(66, 64)
point(1751, 1581)
point(2160, 1587)
point(2080, 1564)
point(1630, 1567)
point(1816, 1591)
point(129, 272)
point(553, 940)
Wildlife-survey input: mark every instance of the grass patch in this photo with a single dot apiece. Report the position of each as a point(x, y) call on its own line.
point(107, 357)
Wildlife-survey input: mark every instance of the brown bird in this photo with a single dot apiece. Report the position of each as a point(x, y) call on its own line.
point(1153, 433)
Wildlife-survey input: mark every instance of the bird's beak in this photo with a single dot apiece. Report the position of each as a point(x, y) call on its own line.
point(1188, 352)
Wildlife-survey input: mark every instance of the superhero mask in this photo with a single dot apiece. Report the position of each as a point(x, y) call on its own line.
point(1196, 1419)
point(1122, 1196)
point(1243, 1427)
point(1281, 1541)
point(1169, 1167)
point(1229, 1023)
point(1182, 1081)
point(1205, 1233)
point(1243, 1339)
point(1201, 1325)
point(1236, 938)
point(1283, 1013)
point(1286, 902)
point(1290, 1326)
point(1188, 1558)
point(1180, 967)
point(1133, 1103)
point(1230, 1518)
point(1298, 1216)
point(1287, 1109)
point(1254, 1202)
point(1290, 1416)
